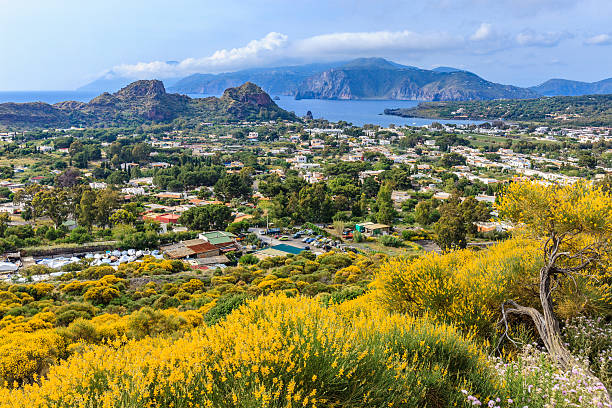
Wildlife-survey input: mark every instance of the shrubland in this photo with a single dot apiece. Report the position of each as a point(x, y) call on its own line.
point(337, 330)
point(93, 304)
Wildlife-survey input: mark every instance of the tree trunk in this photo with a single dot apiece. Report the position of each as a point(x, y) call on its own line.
point(547, 325)
point(551, 335)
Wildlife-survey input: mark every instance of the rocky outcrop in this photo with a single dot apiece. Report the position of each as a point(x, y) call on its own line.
point(248, 93)
point(145, 102)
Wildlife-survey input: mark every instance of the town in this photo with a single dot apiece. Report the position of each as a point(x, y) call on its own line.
point(219, 194)
point(322, 204)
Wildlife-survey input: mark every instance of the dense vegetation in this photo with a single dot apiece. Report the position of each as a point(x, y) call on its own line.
point(461, 323)
point(318, 333)
point(590, 110)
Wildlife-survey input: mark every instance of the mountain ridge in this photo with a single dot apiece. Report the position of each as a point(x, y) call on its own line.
point(367, 78)
point(282, 80)
point(145, 101)
point(372, 79)
point(567, 87)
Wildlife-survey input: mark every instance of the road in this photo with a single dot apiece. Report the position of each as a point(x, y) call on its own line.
point(270, 240)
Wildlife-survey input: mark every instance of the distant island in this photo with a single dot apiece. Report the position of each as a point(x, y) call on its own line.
point(377, 78)
point(365, 78)
point(590, 110)
point(565, 87)
point(145, 101)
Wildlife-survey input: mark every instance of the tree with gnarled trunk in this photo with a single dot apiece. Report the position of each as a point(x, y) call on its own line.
point(575, 224)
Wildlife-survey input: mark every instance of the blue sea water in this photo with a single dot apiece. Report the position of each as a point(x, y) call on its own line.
point(358, 113)
point(355, 112)
point(45, 96)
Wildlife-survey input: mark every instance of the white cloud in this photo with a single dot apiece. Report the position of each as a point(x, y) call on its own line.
point(276, 48)
point(601, 39)
point(484, 32)
point(254, 53)
point(531, 38)
point(374, 42)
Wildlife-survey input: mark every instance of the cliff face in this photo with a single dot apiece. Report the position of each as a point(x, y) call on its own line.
point(145, 102)
point(276, 80)
point(140, 100)
point(379, 79)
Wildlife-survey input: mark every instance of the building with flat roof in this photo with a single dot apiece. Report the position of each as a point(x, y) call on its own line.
point(225, 241)
point(193, 248)
point(372, 229)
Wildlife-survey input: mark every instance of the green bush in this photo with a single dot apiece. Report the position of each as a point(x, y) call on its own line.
point(79, 235)
point(391, 241)
point(248, 259)
point(36, 270)
point(224, 307)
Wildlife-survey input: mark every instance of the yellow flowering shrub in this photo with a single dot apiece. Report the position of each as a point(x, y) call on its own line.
point(26, 355)
point(350, 274)
point(579, 215)
point(41, 289)
point(9, 298)
point(42, 320)
point(577, 207)
point(152, 266)
point(274, 352)
point(101, 294)
point(96, 272)
point(193, 285)
point(464, 287)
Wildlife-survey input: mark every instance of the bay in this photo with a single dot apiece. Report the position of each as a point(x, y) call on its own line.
point(357, 112)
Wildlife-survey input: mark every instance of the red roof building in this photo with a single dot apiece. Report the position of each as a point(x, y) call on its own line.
point(167, 218)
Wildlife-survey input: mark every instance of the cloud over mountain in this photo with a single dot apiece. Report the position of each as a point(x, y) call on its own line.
point(373, 42)
point(253, 53)
point(275, 48)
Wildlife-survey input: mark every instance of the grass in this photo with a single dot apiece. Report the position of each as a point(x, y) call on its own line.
point(67, 245)
point(375, 246)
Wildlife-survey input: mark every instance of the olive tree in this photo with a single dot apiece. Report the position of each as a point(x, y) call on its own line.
point(574, 225)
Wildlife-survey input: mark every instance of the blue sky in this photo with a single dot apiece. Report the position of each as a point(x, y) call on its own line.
point(62, 44)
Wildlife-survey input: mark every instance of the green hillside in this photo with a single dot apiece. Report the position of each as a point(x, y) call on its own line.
point(590, 110)
point(145, 102)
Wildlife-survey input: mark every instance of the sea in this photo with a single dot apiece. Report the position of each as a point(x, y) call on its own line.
point(358, 113)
